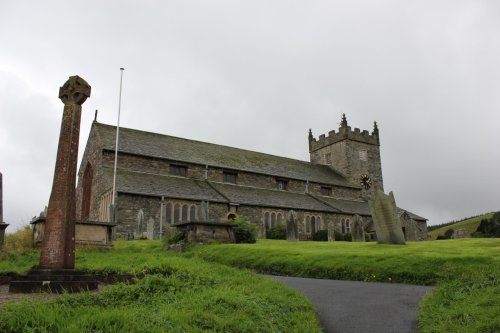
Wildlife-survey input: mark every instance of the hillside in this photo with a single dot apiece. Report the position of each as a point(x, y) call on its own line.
point(470, 224)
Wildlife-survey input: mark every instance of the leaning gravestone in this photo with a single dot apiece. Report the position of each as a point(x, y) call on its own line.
point(331, 232)
point(357, 232)
point(292, 227)
point(386, 219)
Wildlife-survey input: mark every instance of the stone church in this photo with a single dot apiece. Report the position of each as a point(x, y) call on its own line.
point(166, 179)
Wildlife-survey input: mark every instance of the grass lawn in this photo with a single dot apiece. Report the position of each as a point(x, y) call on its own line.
point(466, 272)
point(178, 294)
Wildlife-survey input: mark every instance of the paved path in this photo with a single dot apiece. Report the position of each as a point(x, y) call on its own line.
point(348, 306)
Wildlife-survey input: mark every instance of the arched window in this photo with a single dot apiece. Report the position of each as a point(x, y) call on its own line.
point(342, 223)
point(279, 218)
point(313, 224)
point(273, 219)
point(88, 175)
point(192, 213)
point(168, 213)
point(177, 213)
point(184, 213)
point(308, 224)
point(347, 225)
point(266, 220)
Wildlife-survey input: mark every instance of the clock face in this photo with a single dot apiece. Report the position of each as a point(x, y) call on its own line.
point(365, 181)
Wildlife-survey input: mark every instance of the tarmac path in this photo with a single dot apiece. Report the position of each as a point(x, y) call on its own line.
point(358, 307)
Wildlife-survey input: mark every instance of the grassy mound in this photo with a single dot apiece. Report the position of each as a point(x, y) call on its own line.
point(466, 272)
point(177, 295)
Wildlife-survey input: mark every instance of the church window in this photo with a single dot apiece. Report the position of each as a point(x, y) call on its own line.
point(347, 225)
point(328, 158)
point(363, 156)
point(342, 224)
point(192, 213)
point(87, 191)
point(184, 213)
point(177, 213)
point(273, 219)
point(178, 170)
point(326, 190)
point(279, 217)
point(313, 224)
point(168, 212)
point(230, 177)
point(282, 184)
point(266, 220)
point(308, 224)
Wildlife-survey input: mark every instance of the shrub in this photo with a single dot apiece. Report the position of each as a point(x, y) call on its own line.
point(343, 237)
point(276, 232)
point(173, 236)
point(244, 231)
point(320, 236)
point(20, 242)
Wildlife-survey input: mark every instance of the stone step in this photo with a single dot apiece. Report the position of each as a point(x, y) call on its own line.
point(51, 286)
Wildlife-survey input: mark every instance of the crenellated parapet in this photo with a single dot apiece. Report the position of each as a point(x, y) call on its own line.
point(345, 132)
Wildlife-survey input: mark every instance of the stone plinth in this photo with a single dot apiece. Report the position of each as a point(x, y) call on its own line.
point(54, 281)
point(386, 218)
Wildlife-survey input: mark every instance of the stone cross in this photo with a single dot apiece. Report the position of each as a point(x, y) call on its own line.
point(292, 227)
point(3, 225)
point(357, 232)
point(58, 246)
point(386, 219)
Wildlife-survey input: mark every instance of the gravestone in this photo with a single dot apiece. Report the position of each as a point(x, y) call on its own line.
point(204, 211)
point(331, 232)
point(150, 228)
point(292, 227)
point(386, 219)
point(57, 259)
point(357, 232)
point(3, 225)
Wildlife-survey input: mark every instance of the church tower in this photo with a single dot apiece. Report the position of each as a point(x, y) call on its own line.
point(353, 153)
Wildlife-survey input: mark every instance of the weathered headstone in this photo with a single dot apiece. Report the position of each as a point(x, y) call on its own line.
point(3, 225)
point(150, 228)
point(386, 219)
point(292, 227)
point(331, 232)
point(204, 211)
point(58, 246)
point(357, 232)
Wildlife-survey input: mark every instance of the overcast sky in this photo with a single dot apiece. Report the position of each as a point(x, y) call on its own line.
point(257, 75)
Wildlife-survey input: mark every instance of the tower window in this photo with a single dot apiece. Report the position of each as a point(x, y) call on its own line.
point(363, 156)
point(328, 158)
point(178, 170)
point(230, 177)
point(326, 190)
point(282, 184)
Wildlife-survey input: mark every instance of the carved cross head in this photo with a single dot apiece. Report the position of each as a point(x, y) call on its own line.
point(75, 91)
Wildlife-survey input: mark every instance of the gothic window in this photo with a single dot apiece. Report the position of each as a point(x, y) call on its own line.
point(347, 225)
point(313, 224)
point(192, 213)
point(308, 224)
point(282, 184)
point(184, 213)
point(178, 170)
point(266, 220)
point(273, 219)
point(87, 191)
point(230, 177)
point(342, 224)
point(326, 190)
point(168, 212)
point(177, 213)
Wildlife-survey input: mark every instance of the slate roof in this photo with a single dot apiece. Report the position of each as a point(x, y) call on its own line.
point(203, 153)
point(270, 198)
point(169, 186)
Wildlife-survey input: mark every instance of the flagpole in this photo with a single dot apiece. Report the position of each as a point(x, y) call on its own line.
point(113, 210)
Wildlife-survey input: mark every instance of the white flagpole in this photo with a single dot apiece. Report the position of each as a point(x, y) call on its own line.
point(113, 219)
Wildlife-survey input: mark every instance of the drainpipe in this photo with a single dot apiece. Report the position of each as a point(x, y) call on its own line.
point(161, 217)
